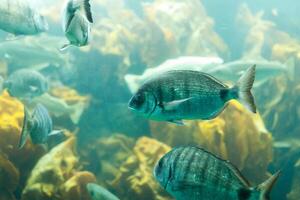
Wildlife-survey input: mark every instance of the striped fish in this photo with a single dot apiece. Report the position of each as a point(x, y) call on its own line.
point(38, 126)
point(76, 23)
point(193, 173)
point(184, 94)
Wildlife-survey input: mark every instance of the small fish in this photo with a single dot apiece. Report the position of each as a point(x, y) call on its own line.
point(195, 63)
point(59, 107)
point(193, 173)
point(19, 18)
point(183, 94)
point(38, 126)
point(99, 193)
point(76, 25)
point(25, 84)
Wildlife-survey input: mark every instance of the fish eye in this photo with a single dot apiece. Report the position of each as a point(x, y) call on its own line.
point(139, 99)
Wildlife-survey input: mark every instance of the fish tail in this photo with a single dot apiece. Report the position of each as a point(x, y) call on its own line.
point(265, 188)
point(25, 129)
point(243, 89)
point(76, 112)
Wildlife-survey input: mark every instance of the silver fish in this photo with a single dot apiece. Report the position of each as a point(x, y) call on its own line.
point(25, 84)
point(19, 18)
point(195, 63)
point(59, 107)
point(182, 94)
point(265, 69)
point(76, 25)
point(193, 173)
point(97, 192)
point(38, 126)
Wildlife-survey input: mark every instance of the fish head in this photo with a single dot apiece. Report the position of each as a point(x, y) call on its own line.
point(163, 171)
point(143, 102)
point(41, 23)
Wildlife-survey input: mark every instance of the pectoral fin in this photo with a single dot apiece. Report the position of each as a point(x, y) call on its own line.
point(33, 88)
point(64, 47)
point(174, 104)
point(177, 122)
point(56, 132)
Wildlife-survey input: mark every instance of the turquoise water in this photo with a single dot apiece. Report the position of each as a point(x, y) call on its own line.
point(90, 87)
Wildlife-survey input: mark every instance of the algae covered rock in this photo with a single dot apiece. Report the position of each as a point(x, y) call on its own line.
point(51, 171)
point(236, 135)
point(135, 179)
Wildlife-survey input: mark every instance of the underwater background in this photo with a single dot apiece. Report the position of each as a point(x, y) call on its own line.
point(104, 142)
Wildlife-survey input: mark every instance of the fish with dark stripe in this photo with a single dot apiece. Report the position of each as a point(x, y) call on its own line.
point(193, 173)
point(186, 95)
point(38, 126)
point(77, 17)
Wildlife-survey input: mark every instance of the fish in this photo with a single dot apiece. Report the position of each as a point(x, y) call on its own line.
point(196, 63)
point(97, 192)
point(265, 69)
point(38, 126)
point(179, 95)
point(19, 18)
point(41, 49)
point(193, 173)
point(59, 107)
point(76, 24)
point(25, 84)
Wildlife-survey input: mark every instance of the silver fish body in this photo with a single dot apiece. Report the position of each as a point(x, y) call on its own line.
point(19, 18)
point(76, 24)
point(184, 94)
point(26, 84)
point(193, 173)
point(97, 192)
point(38, 125)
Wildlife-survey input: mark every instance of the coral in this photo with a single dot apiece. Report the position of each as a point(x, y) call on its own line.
point(135, 179)
point(11, 119)
point(75, 187)
point(51, 171)
point(69, 95)
point(236, 135)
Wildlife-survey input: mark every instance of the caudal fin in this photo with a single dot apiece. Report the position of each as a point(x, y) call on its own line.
point(244, 86)
point(76, 112)
point(25, 129)
point(266, 187)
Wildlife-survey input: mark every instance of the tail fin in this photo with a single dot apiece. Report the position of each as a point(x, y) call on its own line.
point(76, 112)
point(133, 82)
point(244, 86)
point(266, 187)
point(25, 129)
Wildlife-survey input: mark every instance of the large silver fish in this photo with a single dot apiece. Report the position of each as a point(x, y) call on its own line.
point(182, 94)
point(19, 18)
point(193, 173)
point(195, 63)
point(38, 126)
point(25, 84)
point(76, 23)
point(97, 192)
point(265, 69)
point(58, 107)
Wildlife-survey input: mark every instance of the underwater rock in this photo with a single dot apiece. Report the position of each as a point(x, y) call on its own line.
point(51, 172)
point(104, 156)
point(235, 135)
point(135, 180)
point(75, 187)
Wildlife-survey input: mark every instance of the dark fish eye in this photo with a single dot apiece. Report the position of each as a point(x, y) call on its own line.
point(139, 99)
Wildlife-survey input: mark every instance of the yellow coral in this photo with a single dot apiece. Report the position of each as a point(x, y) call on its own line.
point(135, 179)
point(70, 95)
